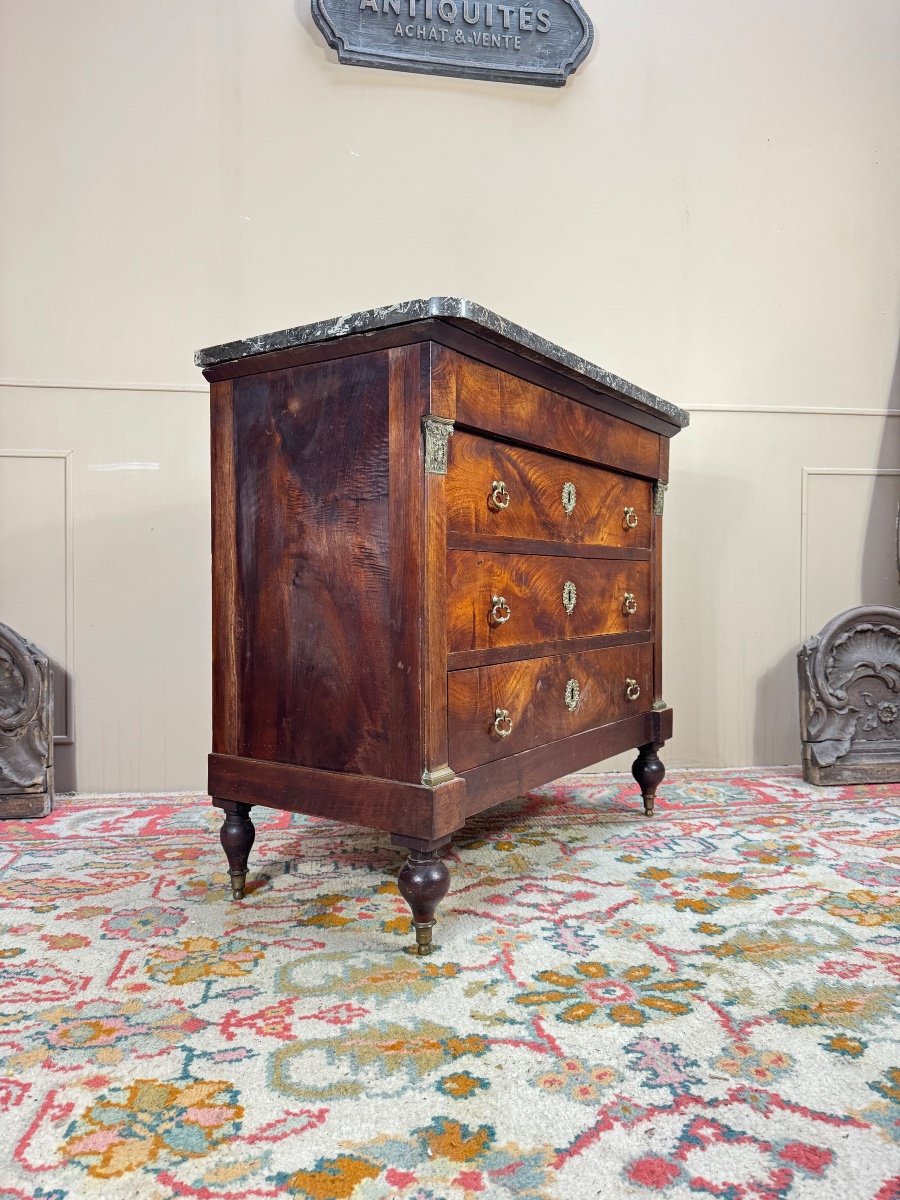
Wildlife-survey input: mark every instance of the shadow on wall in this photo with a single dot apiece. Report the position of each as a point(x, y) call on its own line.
point(776, 734)
point(876, 588)
point(141, 682)
point(777, 728)
point(65, 779)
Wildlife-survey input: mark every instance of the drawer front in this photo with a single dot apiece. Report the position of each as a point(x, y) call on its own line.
point(501, 404)
point(495, 490)
point(541, 702)
point(520, 599)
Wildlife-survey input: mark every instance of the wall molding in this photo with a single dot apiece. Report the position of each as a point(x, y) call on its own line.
point(67, 737)
point(792, 411)
point(68, 385)
point(805, 474)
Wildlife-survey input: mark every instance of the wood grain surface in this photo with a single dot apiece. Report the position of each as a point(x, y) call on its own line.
point(405, 808)
point(533, 693)
point(552, 376)
point(511, 545)
point(532, 586)
point(225, 618)
point(314, 619)
point(408, 374)
point(511, 407)
point(535, 483)
point(516, 774)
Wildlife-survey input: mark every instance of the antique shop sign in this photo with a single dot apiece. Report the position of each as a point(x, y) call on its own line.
point(539, 43)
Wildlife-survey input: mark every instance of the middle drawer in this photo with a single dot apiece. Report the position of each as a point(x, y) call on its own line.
point(498, 600)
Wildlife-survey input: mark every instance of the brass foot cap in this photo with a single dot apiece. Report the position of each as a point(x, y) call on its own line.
point(423, 937)
point(238, 883)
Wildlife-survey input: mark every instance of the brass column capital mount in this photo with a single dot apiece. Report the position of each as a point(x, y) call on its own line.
point(435, 778)
point(438, 431)
point(659, 497)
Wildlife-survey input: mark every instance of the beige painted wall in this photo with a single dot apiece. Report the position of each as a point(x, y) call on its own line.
point(711, 208)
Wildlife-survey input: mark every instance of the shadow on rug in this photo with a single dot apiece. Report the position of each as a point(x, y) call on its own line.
point(693, 1006)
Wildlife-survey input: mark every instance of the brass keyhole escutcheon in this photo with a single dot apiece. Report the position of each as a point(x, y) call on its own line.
point(569, 596)
point(629, 604)
point(573, 694)
point(632, 689)
point(500, 497)
point(629, 520)
point(568, 498)
point(502, 723)
point(500, 611)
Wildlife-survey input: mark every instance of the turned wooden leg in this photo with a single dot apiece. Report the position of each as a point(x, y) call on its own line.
point(423, 882)
point(237, 836)
point(649, 773)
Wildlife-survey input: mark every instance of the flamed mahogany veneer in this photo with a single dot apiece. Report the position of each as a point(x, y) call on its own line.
point(436, 575)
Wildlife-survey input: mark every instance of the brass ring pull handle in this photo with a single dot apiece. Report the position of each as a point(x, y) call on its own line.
point(568, 498)
point(500, 611)
point(629, 604)
point(632, 690)
point(569, 596)
point(629, 520)
point(502, 723)
point(499, 496)
point(573, 694)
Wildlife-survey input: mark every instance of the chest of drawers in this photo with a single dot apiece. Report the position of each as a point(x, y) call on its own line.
point(436, 575)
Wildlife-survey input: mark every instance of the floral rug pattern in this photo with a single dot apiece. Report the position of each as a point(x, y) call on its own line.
point(701, 1005)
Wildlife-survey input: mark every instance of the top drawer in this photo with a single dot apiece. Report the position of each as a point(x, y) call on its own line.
point(494, 490)
point(505, 406)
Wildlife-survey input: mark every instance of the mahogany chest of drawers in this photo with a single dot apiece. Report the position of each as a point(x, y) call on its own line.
point(436, 575)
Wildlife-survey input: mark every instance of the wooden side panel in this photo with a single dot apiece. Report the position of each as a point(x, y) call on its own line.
point(536, 589)
point(311, 464)
point(225, 628)
point(403, 808)
point(534, 484)
point(533, 693)
point(510, 407)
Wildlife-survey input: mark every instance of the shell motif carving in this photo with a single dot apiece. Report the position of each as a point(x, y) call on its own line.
point(866, 650)
point(850, 695)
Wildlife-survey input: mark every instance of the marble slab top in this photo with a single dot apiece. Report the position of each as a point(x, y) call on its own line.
point(464, 313)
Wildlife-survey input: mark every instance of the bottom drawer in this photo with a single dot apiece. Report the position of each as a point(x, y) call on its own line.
point(544, 699)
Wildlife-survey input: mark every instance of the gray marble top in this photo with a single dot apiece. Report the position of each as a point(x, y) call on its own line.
point(459, 312)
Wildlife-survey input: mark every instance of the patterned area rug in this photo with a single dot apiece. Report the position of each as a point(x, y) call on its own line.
point(694, 1006)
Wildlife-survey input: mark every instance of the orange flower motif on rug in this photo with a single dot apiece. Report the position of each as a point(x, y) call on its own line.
point(595, 991)
point(203, 958)
point(152, 1121)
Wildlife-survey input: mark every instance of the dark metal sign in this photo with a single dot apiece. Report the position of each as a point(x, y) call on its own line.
point(539, 43)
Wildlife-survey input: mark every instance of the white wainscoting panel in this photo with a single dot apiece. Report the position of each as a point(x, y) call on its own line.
point(848, 542)
point(36, 564)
